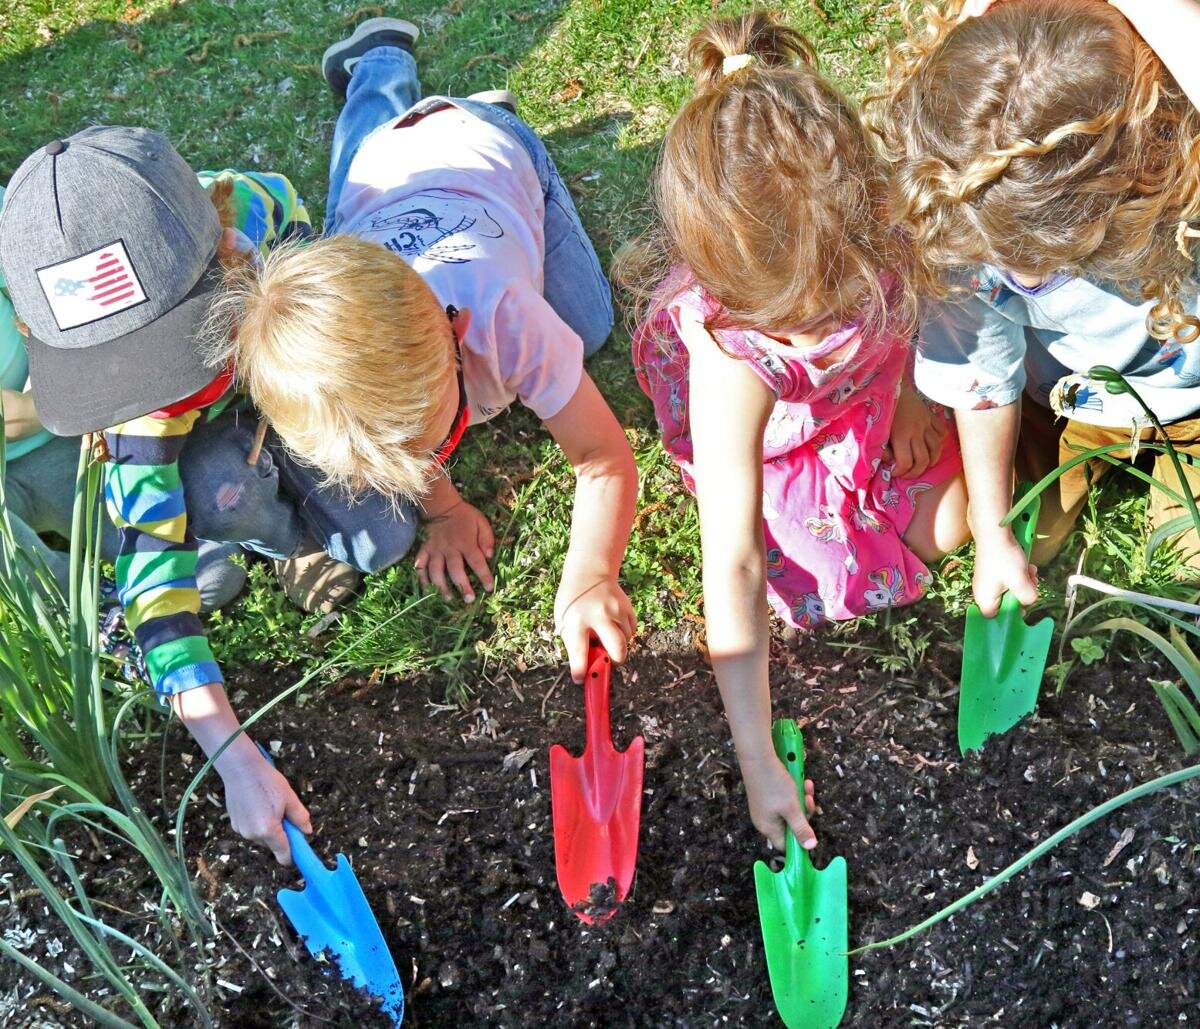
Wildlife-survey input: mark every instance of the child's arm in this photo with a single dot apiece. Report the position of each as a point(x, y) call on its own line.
point(606, 484)
point(971, 359)
point(729, 407)
point(20, 416)
point(988, 439)
point(156, 579)
point(1172, 29)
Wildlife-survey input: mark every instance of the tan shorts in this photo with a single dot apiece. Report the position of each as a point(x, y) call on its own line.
point(1047, 442)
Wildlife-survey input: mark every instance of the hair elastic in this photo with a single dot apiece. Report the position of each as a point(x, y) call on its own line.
point(736, 62)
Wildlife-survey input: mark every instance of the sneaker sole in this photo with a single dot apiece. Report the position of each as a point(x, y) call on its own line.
point(505, 98)
point(335, 54)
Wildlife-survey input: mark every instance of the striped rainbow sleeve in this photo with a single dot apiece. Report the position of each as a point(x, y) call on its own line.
point(266, 206)
point(156, 566)
point(156, 563)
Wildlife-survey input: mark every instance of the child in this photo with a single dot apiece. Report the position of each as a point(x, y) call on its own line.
point(1047, 165)
point(370, 369)
point(113, 250)
point(40, 470)
point(777, 358)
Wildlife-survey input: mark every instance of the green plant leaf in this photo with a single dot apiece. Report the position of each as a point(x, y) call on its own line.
point(1100, 811)
point(1087, 649)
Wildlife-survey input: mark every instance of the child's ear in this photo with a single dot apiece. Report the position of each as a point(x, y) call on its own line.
point(461, 322)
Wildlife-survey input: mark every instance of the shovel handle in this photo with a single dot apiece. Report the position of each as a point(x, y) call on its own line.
point(1024, 526)
point(307, 862)
point(789, 747)
point(596, 684)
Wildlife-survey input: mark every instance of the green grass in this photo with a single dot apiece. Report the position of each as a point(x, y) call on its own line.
point(236, 84)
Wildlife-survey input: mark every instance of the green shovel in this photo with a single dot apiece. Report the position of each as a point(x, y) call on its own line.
point(804, 920)
point(1003, 658)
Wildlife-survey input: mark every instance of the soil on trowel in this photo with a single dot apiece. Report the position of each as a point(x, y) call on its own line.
point(444, 813)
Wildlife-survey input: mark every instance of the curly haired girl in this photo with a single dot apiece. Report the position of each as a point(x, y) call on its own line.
point(1046, 163)
point(777, 356)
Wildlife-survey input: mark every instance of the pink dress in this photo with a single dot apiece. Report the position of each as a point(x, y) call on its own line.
point(833, 512)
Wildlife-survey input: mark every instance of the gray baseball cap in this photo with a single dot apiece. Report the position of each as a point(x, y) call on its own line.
point(108, 242)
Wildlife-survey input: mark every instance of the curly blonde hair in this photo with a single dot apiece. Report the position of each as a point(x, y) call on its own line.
point(1043, 137)
point(347, 352)
point(769, 191)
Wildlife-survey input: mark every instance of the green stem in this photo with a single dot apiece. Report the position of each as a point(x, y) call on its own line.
point(1161, 783)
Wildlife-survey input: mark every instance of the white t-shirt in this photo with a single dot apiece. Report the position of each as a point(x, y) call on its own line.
point(460, 201)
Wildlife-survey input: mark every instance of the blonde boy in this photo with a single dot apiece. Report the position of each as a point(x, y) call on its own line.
point(457, 278)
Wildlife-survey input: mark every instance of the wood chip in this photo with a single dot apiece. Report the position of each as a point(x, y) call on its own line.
point(1089, 900)
point(1125, 840)
point(972, 860)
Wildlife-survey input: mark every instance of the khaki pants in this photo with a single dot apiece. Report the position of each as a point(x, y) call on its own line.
point(1047, 442)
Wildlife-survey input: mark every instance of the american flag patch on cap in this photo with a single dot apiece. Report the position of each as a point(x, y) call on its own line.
point(97, 285)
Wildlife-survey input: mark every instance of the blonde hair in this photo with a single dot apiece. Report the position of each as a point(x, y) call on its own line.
point(769, 192)
point(1042, 137)
point(347, 352)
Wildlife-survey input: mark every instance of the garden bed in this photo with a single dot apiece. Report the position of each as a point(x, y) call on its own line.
point(445, 815)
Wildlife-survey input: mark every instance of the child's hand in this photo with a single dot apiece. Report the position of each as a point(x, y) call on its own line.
point(775, 803)
point(456, 540)
point(918, 433)
point(599, 606)
point(1000, 567)
point(259, 798)
point(974, 8)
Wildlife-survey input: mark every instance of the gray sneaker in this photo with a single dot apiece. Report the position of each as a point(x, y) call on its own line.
point(497, 97)
point(337, 63)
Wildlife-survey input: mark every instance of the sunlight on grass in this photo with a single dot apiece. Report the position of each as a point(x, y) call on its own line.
point(237, 84)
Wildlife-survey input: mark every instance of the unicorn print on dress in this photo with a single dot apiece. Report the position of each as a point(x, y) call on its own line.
point(915, 490)
point(828, 528)
point(888, 496)
point(888, 591)
point(774, 563)
point(771, 363)
point(675, 400)
point(842, 392)
point(809, 610)
point(861, 518)
point(836, 451)
point(873, 411)
point(833, 506)
point(786, 425)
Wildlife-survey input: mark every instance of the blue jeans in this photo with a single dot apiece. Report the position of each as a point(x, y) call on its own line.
point(383, 86)
point(273, 505)
point(40, 489)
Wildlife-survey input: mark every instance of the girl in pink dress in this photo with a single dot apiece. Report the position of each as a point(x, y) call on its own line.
point(777, 355)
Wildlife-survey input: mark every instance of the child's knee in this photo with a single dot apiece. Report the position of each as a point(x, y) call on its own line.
point(375, 548)
point(939, 524)
point(226, 496)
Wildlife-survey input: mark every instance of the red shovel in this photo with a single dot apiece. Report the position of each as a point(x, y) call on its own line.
point(596, 801)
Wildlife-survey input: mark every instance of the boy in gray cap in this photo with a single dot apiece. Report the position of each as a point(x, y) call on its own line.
point(113, 250)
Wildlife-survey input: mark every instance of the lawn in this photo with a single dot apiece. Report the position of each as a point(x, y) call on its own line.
point(237, 85)
point(442, 717)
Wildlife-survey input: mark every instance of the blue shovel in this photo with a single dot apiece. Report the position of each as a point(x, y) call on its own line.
point(331, 914)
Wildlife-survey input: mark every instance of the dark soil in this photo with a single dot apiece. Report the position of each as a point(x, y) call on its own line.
point(445, 814)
